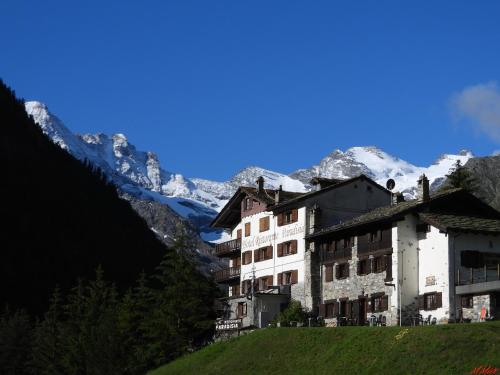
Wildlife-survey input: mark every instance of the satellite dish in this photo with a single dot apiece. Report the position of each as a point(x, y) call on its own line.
point(390, 184)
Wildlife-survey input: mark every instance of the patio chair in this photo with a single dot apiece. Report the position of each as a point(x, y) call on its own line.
point(372, 320)
point(428, 320)
point(381, 321)
point(434, 321)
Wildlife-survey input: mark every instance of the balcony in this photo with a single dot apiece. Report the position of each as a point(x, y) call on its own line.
point(341, 254)
point(478, 280)
point(372, 247)
point(228, 276)
point(228, 248)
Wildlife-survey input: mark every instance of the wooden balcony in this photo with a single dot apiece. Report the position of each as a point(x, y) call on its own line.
point(228, 276)
point(342, 254)
point(228, 248)
point(371, 247)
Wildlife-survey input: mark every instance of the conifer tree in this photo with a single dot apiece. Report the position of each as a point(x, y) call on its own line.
point(460, 177)
point(15, 342)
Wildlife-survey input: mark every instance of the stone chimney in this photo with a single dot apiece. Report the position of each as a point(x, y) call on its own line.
point(423, 194)
point(260, 185)
point(277, 195)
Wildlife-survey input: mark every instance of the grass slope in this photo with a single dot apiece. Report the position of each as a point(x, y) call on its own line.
point(444, 349)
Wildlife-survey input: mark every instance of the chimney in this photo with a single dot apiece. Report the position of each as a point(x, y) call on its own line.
point(277, 195)
point(260, 185)
point(423, 189)
point(397, 198)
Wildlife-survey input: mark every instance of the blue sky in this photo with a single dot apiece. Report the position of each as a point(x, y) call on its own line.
point(214, 86)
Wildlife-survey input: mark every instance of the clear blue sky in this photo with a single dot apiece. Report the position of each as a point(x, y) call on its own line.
point(214, 86)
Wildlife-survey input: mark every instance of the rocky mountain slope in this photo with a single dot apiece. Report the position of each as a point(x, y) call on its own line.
point(486, 171)
point(138, 174)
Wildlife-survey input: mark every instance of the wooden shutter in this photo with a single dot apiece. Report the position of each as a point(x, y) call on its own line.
point(238, 233)
point(329, 272)
point(295, 215)
point(263, 224)
point(279, 279)
point(439, 300)
point(293, 247)
point(256, 255)
point(421, 305)
point(269, 252)
point(335, 309)
point(247, 229)
point(322, 309)
point(337, 272)
point(385, 303)
point(359, 267)
point(388, 267)
point(280, 250)
point(295, 276)
point(347, 309)
point(280, 220)
point(270, 280)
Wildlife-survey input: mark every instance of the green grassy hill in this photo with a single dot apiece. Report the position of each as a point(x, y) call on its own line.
point(444, 349)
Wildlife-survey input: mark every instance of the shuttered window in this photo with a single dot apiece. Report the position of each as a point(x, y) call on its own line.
point(264, 282)
point(235, 290)
point(264, 253)
point(380, 302)
point(342, 271)
point(288, 217)
point(242, 309)
point(288, 277)
point(379, 264)
point(247, 257)
point(264, 224)
point(287, 248)
point(247, 229)
point(329, 272)
point(364, 267)
point(430, 301)
point(238, 233)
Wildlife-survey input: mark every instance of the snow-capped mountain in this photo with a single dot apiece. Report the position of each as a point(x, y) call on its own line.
point(139, 174)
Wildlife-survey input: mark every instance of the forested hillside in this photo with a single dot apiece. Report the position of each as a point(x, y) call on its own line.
point(61, 219)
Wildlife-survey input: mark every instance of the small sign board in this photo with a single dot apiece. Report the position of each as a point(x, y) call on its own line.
point(227, 324)
point(430, 280)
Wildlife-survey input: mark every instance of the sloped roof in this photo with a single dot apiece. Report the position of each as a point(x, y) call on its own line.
point(230, 213)
point(461, 223)
point(334, 184)
point(397, 211)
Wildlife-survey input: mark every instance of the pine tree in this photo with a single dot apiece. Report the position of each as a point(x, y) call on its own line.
point(15, 342)
point(460, 177)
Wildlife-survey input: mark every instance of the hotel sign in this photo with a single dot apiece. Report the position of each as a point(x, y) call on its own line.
point(228, 324)
point(266, 239)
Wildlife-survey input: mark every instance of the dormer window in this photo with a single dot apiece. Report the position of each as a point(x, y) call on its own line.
point(247, 204)
point(288, 217)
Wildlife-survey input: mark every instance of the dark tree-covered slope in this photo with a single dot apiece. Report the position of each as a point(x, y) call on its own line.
point(486, 172)
point(61, 219)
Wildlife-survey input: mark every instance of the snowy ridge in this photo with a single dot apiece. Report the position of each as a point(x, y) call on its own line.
point(140, 174)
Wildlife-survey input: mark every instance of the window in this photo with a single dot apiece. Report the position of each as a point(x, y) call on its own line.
point(430, 301)
point(264, 253)
point(364, 267)
point(238, 234)
point(242, 309)
point(247, 229)
point(264, 224)
point(265, 282)
point(374, 236)
point(380, 302)
point(235, 290)
point(247, 204)
point(379, 264)
point(288, 217)
point(347, 242)
point(288, 277)
point(329, 272)
point(287, 248)
point(471, 258)
point(247, 257)
point(467, 302)
point(330, 310)
point(246, 286)
point(342, 271)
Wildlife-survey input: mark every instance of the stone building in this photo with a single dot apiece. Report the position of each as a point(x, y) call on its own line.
point(269, 259)
point(437, 256)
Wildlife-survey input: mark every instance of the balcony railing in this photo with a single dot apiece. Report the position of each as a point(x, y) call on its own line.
point(228, 248)
point(228, 274)
point(467, 276)
point(370, 247)
point(345, 253)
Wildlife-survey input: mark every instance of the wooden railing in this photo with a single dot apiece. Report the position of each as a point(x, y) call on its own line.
point(228, 247)
point(227, 274)
point(369, 247)
point(468, 275)
point(329, 256)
